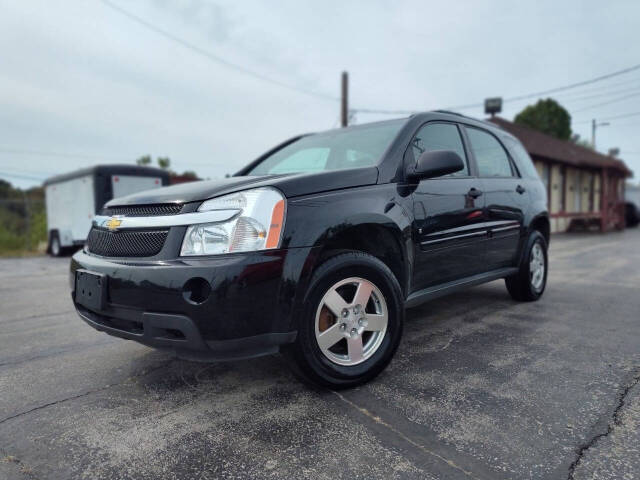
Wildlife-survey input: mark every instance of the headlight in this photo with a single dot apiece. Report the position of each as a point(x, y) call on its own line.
point(256, 225)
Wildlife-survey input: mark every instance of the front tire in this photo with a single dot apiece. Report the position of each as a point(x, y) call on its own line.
point(351, 323)
point(529, 283)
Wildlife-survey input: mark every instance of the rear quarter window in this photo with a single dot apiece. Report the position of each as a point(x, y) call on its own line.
point(521, 157)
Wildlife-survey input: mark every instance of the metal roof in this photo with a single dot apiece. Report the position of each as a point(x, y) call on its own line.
point(542, 145)
point(109, 169)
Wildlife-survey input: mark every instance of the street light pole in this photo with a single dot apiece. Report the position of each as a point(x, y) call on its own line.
point(594, 126)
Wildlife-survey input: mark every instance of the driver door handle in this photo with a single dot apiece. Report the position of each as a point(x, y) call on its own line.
point(474, 193)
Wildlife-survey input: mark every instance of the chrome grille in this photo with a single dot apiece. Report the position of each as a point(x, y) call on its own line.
point(143, 210)
point(130, 243)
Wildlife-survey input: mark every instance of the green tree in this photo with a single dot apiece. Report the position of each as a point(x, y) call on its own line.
point(547, 116)
point(190, 174)
point(144, 160)
point(22, 219)
point(164, 162)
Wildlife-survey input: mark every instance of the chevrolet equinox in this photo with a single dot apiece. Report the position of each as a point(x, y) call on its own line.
point(317, 247)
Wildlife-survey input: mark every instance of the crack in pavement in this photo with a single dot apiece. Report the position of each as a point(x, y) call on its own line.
point(17, 360)
point(615, 420)
point(378, 420)
point(84, 394)
point(40, 407)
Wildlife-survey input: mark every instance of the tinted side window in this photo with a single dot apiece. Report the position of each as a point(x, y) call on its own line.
point(522, 158)
point(491, 157)
point(440, 136)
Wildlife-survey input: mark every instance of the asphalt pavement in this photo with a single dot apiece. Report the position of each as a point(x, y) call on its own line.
point(482, 387)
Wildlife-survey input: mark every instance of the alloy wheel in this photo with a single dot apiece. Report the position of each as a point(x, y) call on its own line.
point(537, 266)
point(351, 321)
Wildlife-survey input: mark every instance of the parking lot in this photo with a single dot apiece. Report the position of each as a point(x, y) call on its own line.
point(482, 387)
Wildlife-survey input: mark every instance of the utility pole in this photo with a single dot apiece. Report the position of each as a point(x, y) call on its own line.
point(344, 103)
point(594, 126)
point(27, 218)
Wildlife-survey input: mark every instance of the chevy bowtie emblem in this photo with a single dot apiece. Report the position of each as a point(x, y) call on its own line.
point(113, 223)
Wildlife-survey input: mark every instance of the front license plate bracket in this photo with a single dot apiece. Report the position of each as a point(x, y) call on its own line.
point(91, 289)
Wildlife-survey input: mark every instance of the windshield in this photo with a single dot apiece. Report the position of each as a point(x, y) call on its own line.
point(361, 146)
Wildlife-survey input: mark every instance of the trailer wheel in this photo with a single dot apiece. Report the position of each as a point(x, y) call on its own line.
point(55, 249)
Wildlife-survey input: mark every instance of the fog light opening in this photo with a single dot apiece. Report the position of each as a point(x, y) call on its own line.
point(196, 290)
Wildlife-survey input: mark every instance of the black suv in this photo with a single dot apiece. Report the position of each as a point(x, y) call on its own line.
point(317, 247)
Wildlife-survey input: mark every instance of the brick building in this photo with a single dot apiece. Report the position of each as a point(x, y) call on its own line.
point(585, 188)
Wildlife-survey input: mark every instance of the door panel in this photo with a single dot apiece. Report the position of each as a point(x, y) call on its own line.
point(504, 210)
point(506, 198)
point(449, 231)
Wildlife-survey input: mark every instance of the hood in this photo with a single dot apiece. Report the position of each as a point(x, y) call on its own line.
point(292, 185)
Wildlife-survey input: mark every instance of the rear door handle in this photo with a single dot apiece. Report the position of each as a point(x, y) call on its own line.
point(474, 193)
point(520, 189)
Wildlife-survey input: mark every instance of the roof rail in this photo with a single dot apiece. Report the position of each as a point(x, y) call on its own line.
point(481, 120)
point(452, 113)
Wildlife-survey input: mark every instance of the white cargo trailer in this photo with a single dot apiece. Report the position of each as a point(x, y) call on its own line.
point(74, 198)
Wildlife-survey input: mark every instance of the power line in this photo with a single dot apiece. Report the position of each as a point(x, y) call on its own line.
point(22, 177)
point(263, 77)
point(10, 169)
point(615, 117)
point(597, 95)
point(19, 151)
point(555, 89)
point(600, 88)
point(515, 98)
point(260, 76)
point(630, 124)
point(576, 96)
point(624, 115)
point(578, 84)
point(69, 156)
point(215, 58)
point(615, 100)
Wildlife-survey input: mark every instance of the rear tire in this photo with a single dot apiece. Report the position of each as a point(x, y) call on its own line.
point(529, 283)
point(55, 249)
point(356, 301)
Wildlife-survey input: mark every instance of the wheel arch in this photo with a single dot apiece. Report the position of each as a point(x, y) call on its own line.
point(542, 224)
point(380, 241)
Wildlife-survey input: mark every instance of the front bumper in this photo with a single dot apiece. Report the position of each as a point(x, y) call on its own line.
point(248, 312)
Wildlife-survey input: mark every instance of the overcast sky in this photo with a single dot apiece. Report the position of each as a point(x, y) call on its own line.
point(78, 77)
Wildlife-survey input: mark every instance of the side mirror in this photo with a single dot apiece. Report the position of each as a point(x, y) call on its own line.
point(435, 164)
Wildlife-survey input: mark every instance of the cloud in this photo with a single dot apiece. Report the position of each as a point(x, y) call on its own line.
point(83, 78)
